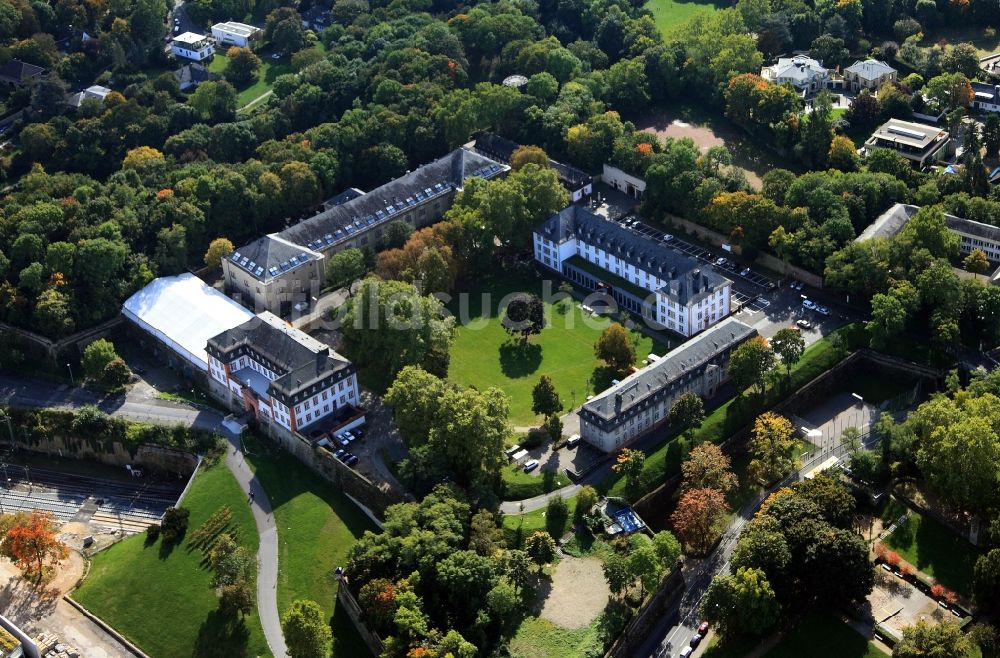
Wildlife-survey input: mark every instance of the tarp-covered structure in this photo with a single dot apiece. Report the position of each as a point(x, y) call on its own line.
point(183, 313)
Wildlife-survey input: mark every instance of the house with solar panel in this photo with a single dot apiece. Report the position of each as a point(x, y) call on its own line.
point(921, 144)
point(641, 402)
point(642, 275)
point(286, 270)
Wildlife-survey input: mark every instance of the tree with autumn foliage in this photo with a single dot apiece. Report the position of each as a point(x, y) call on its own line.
point(522, 155)
point(699, 517)
point(29, 540)
point(707, 467)
point(629, 465)
point(771, 447)
point(378, 599)
point(615, 348)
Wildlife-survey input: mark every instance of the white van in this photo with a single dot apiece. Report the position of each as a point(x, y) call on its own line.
point(685, 652)
point(572, 441)
point(531, 465)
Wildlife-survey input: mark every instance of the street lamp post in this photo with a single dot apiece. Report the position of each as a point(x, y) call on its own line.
point(71, 380)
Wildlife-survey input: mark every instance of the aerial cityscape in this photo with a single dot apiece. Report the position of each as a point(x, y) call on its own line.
point(499, 329)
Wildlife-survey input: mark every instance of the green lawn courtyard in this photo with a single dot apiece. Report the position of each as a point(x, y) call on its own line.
point(936, 551)
point(317, 525)
point(137, 588)
point(671, 14)
point(269, 71)
point(484, 355)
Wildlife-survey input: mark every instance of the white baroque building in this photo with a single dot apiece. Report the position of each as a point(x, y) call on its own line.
point(642, 275)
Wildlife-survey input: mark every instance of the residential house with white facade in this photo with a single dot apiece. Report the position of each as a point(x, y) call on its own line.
point(193, 46)
point(985, 98)
point(870, 74)
point(281, 374)
point(232, 33)
point(806, 74)
point(642, 275)
point(919, 143)
point(632, 407)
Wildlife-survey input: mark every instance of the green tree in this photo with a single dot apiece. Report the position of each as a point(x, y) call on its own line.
point(687, 413)
point(843, 154)
point(545, 398)
point(116, 374)
point(307, 633)
point(645, 565)
point(817, 132)
point(616, 572)
point(523, 155)
point(97, 356)
point(524, 316)
point(218, 249)
point(667, 548)
point(743, 602)
point(977, 262)
point(485, 538)
point(629, 465)
point(986, 579)
point(53, 313)
point(888, 319)
point(789, 345)
point(171, 249)
point(615, 348)
point(215, 101)
point(586, 498)
point(345, 267)
point(926, 639)
point(707, 467)
point(243, 66)
point(991, 135)
point(414, 397)
point(540, 547)
point(770, 447)
point(749, 364)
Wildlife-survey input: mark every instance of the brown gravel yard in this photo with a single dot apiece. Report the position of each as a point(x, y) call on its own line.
point(579, 593)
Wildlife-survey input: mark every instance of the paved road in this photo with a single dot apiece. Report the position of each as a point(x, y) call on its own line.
point(39, 393)
point(675, 630)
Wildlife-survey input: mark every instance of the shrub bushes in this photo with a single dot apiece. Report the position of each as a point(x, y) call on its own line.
point(175, 523)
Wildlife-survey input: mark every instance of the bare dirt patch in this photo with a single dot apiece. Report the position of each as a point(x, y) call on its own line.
point(579, 593)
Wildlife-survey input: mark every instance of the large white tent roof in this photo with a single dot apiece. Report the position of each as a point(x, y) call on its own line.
point(184, 313)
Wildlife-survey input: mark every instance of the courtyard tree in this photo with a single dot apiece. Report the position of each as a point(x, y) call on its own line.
point(749, 364)
point(923, 639)
point(523, 155)
point(615, 348)
point(307, 631)
point(629, 465)
point(687, 413)
point(698, 518)
point(97, 356)
point(243, 66)
point(524, 316)
point(771, 447)
point(218, 249)
point(789, 345)
point(544, 397)
point(345, 267)
point(986, 579)
point(977, 262)
point(707, 467)
point(30, 542)
point(414, 399)
point(743, 602)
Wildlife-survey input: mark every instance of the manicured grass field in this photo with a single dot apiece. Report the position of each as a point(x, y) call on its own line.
point(270, 69)
point(671, 14)
point(935, 550)
point(161, 598)
point(540, 638)
point(818, 635)
point(484, 355)
point(519, 526)
point(519, 485)
point(317, 526)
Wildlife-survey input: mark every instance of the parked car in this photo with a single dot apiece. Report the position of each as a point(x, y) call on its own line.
point(530, 465)
point(358, 433)
point(276, 55)
point(809, 304)
point(685, 652)
point(703, 628)
point(343, 440)
point(351, 460)
point(745, 271)
point(340, 453)
point(822, 310)
point(668, 237)
point(796, 285)
point(720, 261)
point(572, 441)
point(350, 437)
point(804, 324)
point(695, 640)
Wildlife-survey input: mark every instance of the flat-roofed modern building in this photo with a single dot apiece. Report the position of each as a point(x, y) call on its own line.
point(232, 33)
point(615, 418)
point(642, 275)
point(263, 275)
point(280, 373)
point(193, 46)
point(919, 143)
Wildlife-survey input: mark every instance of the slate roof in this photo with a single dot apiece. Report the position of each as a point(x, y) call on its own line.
point(17, 71)
point(869, 69)
point(383, 203)
point(501, 148)
point(688, 281)
point(800, 68)
point(193, 74)
point(302, 361)
point(986, 93)
point(686, 358)
point(971, 227)
point(892, 221)
point(271, 256)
